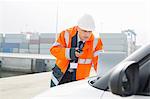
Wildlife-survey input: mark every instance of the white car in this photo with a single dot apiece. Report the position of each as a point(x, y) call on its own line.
point(130, 79)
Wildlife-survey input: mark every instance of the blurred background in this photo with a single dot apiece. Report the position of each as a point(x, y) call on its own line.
point(52, 16)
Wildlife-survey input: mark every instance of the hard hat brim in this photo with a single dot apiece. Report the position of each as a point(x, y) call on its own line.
point(85, 28)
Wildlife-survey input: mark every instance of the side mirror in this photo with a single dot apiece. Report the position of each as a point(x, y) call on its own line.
point(125, 82)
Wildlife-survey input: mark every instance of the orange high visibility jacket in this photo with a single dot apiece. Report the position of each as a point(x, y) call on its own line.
point(61, 47)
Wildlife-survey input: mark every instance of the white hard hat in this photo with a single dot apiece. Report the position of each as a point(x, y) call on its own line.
point(86, 22)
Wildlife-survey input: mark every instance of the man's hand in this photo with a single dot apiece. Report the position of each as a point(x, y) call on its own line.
point(77, 53)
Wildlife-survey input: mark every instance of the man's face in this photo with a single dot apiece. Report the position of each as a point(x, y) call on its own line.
point(84, 34)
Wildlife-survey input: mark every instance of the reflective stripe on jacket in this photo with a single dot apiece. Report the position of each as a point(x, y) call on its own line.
point(91, 50)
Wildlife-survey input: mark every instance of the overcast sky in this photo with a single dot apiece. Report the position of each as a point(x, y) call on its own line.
point(111, 16)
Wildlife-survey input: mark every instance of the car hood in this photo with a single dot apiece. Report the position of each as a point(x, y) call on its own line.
point(73, 90)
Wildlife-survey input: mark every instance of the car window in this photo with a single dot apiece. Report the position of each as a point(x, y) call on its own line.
point(144, 75)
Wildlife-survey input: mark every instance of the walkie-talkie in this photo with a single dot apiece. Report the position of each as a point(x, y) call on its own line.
point(81, 45)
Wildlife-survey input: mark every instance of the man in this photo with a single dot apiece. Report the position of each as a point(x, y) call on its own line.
point(76, 50)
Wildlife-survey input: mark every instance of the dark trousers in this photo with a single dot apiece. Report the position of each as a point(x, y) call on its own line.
point(67, 77)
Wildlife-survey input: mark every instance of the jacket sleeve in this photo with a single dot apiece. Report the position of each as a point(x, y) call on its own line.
point(59, 48)
point(97, 51)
